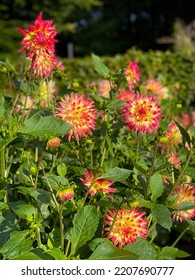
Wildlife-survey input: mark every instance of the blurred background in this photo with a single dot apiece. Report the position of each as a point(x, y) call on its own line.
point(104, 27)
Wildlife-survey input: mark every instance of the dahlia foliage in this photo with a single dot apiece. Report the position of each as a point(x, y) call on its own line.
point(98, 168)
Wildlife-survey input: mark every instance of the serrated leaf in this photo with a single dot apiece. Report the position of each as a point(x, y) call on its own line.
point(162, 215)
point(22, 210)
point(62, 169)
point(38, 194)
point(106, 251)
point(190, 171)
point(186, 205)
point(18, 243)
point(184, 133)
point(170, 253)
point(45, 127)
point(84, 227)
point(143, 248)
point(156, 186)
point(115, 104)
point(117, 174)
point(56, 253)
point(191, 224)
point(99, 66)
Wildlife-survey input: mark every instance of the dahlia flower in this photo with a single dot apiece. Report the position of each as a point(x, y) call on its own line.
point(125, 226)
point(46, 92)
point(104, 88)
point(141, 113)
point(171, 140)
point(98, 184)
point(184, 193)
point(174, 159)
point(39, 43)
point(125, 95)
point(153, 86)
point(132, 74)
point(78, 111)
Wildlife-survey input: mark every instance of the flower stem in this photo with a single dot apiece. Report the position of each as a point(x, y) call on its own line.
point(180, 236)
point(184, 168)
point(151, 171)
point(2, 154)
point(61, 226)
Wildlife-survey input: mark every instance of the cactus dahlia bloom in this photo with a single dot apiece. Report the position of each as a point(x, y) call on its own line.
point(155, 87)
point(184, 193)
point(125, 95)
point(125, 226)
point(98, 184)
point(171, 140)
point(78, 111)
point(132, 74)
point(141, 114)
point(38, 43)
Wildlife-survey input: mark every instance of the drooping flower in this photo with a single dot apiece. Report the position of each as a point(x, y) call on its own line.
point(184, 193)
point(171, 140)
point(78, 111)
point(141, 114)
point(39, 44)
point(65, 194)
point(125, 95)
point(124, 226)
point(153, 86)
point(97, 184)
point(132, 74)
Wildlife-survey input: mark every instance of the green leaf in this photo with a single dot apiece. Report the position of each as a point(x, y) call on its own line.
point(143, 248)
point(162, 215)
point(100, 67)
point(27, 256)
point(38, 194)
point(184, 133)
point(170, 253)
point(106, 251)
point(117, 174)
point(84, 227)
point(22, 209)
point(56, 253)
point(115, 104)
point(186, 205)
point(62, 169)
point(18, 243)
point(45, 127)
point(156, 186)
point(191, 224)
point(190, 171)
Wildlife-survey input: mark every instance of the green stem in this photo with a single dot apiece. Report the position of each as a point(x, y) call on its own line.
point(180, 236)
point(2, 163)
point(138, 145)
point(67, 248)
point(184, 168)
point(151, 171)
point(61, 226)
point(38, 235)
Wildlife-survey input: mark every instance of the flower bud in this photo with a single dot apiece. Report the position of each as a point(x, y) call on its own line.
point(65, 194)
point(53, 143)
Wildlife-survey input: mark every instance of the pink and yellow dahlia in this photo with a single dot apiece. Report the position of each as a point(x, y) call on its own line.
point(39, 43)
point(125, 95)
point(171, 140)
point(104, 88)
point(132, 74)
point(53, 143)
point(174, 159)
point(97, 184)
point(141, 114)
point(153, 86)
point(124, 226)
point(184, 193)
point(80, 112)
point(65, 194)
